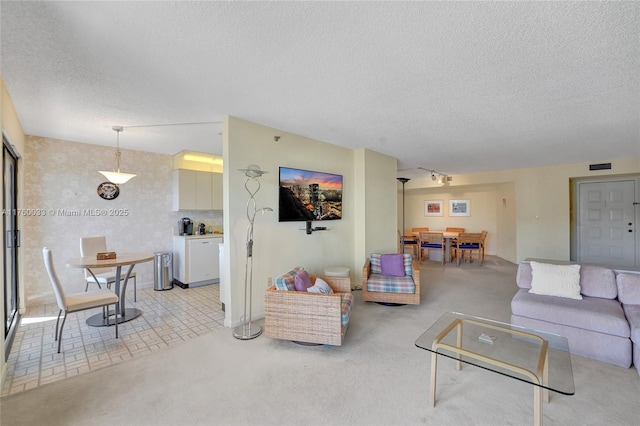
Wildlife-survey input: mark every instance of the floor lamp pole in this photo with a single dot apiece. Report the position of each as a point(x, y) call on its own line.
point(403, 180)
point(247, 330)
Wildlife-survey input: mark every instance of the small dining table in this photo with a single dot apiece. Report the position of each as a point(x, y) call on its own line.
point(122, 259)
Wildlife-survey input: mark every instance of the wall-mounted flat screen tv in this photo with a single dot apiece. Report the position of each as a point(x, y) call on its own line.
point(306, 195)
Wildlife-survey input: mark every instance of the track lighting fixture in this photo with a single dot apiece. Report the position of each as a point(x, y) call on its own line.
point(441, 178)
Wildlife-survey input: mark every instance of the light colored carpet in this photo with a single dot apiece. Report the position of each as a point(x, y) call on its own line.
point(378, 377)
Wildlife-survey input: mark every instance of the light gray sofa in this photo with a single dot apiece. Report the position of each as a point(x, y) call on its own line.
point(604, 325)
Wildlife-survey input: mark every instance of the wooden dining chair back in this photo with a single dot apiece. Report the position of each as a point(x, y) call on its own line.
point(89, 247)
point(409, 240)
point(432, 241)
point(454, 241)
point(449, 229)
point(78, 301)
point(468, 242)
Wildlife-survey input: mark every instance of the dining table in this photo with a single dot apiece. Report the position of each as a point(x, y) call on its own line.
point(121, 259)
point(448, 237)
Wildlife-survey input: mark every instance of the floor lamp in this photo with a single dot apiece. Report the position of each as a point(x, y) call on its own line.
point(403, 180)
point(247, 330)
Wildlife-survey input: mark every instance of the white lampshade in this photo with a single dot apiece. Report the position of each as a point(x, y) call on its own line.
point(117, 177)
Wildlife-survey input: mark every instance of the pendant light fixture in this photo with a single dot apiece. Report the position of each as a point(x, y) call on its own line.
point(116, 176)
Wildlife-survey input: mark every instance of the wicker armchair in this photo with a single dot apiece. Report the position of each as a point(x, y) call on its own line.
point(307, 317)
point(390, 297)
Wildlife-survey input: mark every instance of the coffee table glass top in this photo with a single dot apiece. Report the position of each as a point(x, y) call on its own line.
point(503, 348)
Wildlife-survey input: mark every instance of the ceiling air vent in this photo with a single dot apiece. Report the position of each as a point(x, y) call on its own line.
point(600, 166)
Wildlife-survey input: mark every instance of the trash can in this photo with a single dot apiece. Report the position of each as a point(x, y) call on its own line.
point(163, 270)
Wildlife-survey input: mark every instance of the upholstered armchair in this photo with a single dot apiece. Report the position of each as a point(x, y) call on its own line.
point(311, 314)
point(391, 278)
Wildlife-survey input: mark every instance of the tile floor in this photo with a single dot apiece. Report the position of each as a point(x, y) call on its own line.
point(168, 317)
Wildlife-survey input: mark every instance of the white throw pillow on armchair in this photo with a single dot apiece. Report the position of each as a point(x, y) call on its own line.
point(555, 280)
point(320, 286)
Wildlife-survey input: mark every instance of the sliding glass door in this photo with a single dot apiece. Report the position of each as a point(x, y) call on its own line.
point(11, 237)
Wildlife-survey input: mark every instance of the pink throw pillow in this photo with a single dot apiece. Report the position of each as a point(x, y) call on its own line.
point(392, 264)
point(302, 281)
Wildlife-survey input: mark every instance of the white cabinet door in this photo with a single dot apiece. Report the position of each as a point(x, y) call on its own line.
point(216, 191)
point(203, 259)
point(196, 190)
point(184, 190)
point(203, 190)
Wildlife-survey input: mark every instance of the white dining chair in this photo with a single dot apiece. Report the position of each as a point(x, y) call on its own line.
point(90, 246)
point(77, 301)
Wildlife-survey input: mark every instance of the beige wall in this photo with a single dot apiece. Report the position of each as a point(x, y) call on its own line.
point(483, 210)
point(279, 246)
point(536, 219)
point(375, 209)
point(62, 178)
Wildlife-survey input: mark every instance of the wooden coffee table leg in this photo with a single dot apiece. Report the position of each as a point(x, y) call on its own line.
point(537, 405)
point(434, 368)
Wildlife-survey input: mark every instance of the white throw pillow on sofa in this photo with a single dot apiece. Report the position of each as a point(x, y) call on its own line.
point(555, 280)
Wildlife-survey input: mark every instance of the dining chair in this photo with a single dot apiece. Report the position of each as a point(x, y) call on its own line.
point(468, 242)
point(77, 301)
point(90, 246)
point(432, 241)
point(417, 230)
point(454, 242)
point(410, 240)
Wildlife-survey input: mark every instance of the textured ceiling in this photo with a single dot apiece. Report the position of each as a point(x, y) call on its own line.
point(452, 86)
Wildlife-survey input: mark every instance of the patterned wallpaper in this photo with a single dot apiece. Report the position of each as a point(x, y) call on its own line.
point(62, 205)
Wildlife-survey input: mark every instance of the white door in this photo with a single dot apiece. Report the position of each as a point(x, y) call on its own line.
point(607, 223)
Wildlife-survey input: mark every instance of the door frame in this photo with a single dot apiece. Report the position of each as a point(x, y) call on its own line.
point(10, 335)
point(574, 209)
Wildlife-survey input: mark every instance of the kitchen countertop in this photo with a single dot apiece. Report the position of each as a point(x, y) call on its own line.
point(190, 237)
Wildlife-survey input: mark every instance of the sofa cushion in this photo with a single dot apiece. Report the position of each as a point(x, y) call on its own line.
point(590, 313)
point(346, 305)
point(287, 280)
point(523, 276)
point(633, 316)
point(302, 281)
point(392, 264)
point(389, 284)
point(555, 280)
point(628, 288)
point(596, 281)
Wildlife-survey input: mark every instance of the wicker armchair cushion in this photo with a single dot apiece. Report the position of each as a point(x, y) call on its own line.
point(390, 284)
point(346, 305)
point(376, 266)
point(287, 281)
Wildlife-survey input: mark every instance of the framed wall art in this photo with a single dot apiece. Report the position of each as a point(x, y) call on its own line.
point(459, 208)
point(434, 208)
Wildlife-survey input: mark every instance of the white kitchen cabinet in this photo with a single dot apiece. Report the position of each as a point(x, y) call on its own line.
point(196, 190)
point(196, 260)
point(216, 191)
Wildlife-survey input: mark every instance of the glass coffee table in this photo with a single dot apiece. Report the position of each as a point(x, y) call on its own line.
point(532, 356)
